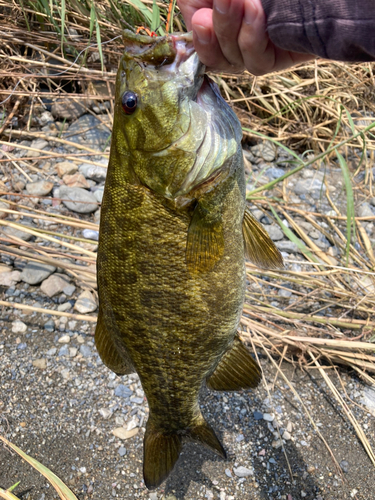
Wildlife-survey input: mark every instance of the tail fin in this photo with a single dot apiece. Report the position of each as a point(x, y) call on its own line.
point(160, 454)
point(161, 450)
point(204, 434)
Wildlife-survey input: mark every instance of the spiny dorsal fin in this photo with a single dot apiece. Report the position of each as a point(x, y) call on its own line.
point(160, 454)
point(259, 248)
point(108, 351)
point(236, 370)
point(205, 241)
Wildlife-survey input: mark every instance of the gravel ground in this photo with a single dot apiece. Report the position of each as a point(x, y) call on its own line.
point(61, 405)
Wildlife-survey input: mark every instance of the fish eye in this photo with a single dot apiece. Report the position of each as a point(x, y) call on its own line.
point(129, 102)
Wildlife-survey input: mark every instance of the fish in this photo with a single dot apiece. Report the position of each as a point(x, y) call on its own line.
point(174, 232)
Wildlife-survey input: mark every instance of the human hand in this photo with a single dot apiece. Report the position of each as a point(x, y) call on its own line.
point(230, 35)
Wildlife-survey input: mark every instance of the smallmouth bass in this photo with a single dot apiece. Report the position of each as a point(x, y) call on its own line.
point(174, 231)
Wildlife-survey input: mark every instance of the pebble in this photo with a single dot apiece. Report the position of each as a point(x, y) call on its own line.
point(287, 436)
point(67, 109)
point(55, 284)
point(37, 144)
point(365, 210)
point(275, 232)
point(269, 417)
point(85, 303)
point(266, 150)
point(66, 168)
point(344, 466)
point(122, 452)
point(105, 413)
point(52, 351)
point(40, 363)
point(123, 391)
point(228, 473)
point(257, 415)
point(39, 188)
point(63, 351)
point(64, 339)
point(10, 279)
point(18, 233)
point(18, 327)
point(93, 172)
point(274, 172)
point(368, 398)
point(122, 433)
point(36, 272)
point(85, 350)
point(98, 193)
point(90, 234)
point(49, 325)
point(78, 200)
point(76, 180)
point(64, 307)
point(243, 471)
point(89, 131)
point(312, 186)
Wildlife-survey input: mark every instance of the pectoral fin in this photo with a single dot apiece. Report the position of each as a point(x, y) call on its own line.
point(205, 240)
point(236, 370)
point(108, 351)
point(259, 248)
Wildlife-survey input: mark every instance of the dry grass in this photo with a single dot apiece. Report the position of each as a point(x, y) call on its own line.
point(325, 108)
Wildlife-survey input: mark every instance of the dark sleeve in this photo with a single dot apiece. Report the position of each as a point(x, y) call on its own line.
point(343, 30)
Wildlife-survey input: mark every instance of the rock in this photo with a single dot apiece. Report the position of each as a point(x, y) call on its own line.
point(258, 415)
point(85, 303)
point(90, 234)
point(18, 326)
point(10, 279)
point(52, 351)
point(67, 109)
point(122, 433)
point(98, 193)
point(5, 269)
point(35, 272)
point(37, 144)
point(66, 168)
point(269, 417)
point(368, 398)
point(85, 350)
point(274, 172)
point(64, 351)
point(3, 214)
point(69, 290)
point(94, 172)
point(122, 451)
point(277, 443)
point(284, 293)
point(243, 471)
point(364, 210)
point(344, 466)
point(73, 352)
point(275, 232)
point(266, 150)
point(54, 285)
point(64, 339)
point(228, 473)
point(123, 391)
point(39, 188)
point(40, 363)
point(287, 436)
point(287, 246)
point(311, 186)
point(78, 199)
point(89, 131)
point(49, 325)
point(76, 180)
point(64, 307)
point(105, 413)
point(18, 233)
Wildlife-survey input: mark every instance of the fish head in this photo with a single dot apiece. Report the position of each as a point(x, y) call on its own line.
point(170, 118)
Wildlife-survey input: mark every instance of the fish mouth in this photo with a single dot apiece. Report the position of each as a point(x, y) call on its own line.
point(169, 51)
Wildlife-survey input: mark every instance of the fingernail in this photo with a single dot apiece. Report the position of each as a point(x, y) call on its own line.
point(222, 6)
point(203, 33)
point(250, 13)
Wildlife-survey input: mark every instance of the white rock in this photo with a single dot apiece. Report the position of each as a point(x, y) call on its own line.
point(122, 433)
point(243, 471)
point(85, 303)
point(40, 363)
point(10, 279)
point(18, 326)
point(269, 417)
point(64, 339)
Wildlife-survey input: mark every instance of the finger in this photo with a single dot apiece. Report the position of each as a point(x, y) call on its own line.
point(189, 7)
point(227, 20)
point(257, 51)
point(206, 43)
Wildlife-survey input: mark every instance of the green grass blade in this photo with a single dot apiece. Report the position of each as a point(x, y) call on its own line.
point(63, 13)
point(63, 491)
point(155, 20)
point(99, 42)
point(293, 238)
point(350, 220)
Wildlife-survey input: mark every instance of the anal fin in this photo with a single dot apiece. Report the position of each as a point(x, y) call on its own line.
point(108, 351)
point(236, 370)
point(203, 433)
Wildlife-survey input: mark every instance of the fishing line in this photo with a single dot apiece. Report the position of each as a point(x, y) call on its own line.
point(61, 72)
